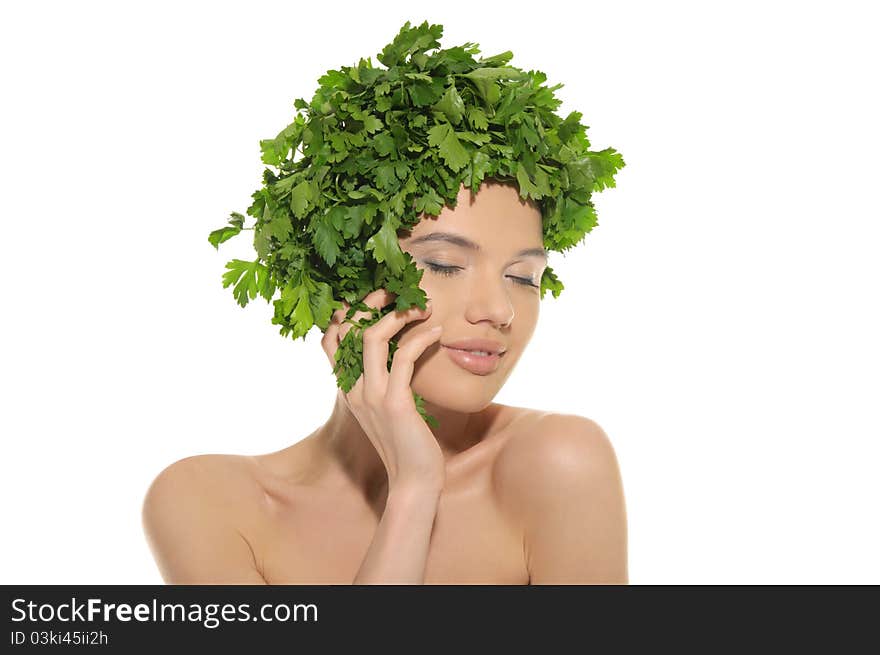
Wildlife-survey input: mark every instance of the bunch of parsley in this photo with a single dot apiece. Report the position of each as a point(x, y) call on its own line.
point(376, 149)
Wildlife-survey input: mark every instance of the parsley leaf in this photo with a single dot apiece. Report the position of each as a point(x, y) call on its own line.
point(443, 136)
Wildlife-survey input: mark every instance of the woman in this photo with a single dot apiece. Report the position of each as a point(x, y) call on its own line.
point(494, 495)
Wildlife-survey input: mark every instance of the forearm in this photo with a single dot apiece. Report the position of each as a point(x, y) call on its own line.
point(399, 550)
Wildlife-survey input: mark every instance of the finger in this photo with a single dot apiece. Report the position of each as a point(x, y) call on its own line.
point(355, 395)
point(331, 339)
point(405, 357)
point(338, 328)
point(339, 314)
point(330, 343)
point(345, 325)
point(376, 346)
point(375, 299)
point(379, 298)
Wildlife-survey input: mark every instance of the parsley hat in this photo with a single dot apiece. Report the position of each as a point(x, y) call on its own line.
point(375, 150)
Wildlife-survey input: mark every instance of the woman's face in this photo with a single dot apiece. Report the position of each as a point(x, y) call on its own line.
point(488, 290)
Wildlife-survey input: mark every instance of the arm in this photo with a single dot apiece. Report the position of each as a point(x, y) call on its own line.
point(383, 404)
point(189, 532)
point(569, 494)
point(399, 550)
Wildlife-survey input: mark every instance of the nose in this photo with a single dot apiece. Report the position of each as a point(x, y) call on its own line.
point(489, 299)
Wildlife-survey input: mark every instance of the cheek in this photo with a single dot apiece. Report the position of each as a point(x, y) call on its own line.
point(431, 283)
point(445, 296)
point(525, 321)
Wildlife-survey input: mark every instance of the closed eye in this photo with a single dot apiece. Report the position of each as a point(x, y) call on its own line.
point(453, 270)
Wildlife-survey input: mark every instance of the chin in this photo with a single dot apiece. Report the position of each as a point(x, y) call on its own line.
point(435, 405)
point(450, 388)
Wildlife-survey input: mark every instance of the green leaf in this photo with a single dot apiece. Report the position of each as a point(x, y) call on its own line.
point(293, 309)
point(385, 176)
point(274, 151)
point(384, 144)
point(223, 234)
point(578, 217)
point(542, 184)
point(454, 154)
point(301, 198)
point(244, 276)
point(424, 93)
point(262, 243)
point(322, 304)
point(386, 247)
point(580, 173)
point(302, 315)
point(481, 164)
point(484, 79)
point(497, 60)
point(409, 41)
point(604, 164)
point(527, 188)
point(477, 118)
point(270, 153)
point(372, 124)
point(419, 76)
point(420, 408)
point(451, 105)
point(279, 227)
point(474, 137)
point(430, 203)
point(265, 282)
point(550, 282)
point(409, 294)
point(327, 239)
point(569, 126)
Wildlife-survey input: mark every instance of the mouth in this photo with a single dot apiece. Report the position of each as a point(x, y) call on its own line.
point(474, 361)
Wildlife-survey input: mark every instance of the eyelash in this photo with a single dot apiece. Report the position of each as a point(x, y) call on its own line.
point(449, 270)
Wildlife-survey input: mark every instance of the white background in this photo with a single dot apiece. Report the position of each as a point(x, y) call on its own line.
point(720, 323)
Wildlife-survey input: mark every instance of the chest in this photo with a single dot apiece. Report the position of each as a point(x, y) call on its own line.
point(323, 541)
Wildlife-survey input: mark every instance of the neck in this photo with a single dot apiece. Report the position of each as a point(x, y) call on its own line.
point(348, 452)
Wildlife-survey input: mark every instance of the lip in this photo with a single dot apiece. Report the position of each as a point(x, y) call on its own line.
point(476, 364)
point(477, 344)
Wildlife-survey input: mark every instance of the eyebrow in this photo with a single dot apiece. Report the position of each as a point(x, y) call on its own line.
point(464, 242)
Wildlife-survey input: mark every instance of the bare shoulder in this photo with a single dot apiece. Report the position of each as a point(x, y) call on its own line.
point(194, 517)
point(561, 481)
point(551, 444)
point(221, 479)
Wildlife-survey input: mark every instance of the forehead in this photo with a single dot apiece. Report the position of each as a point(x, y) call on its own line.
point(496, 218)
